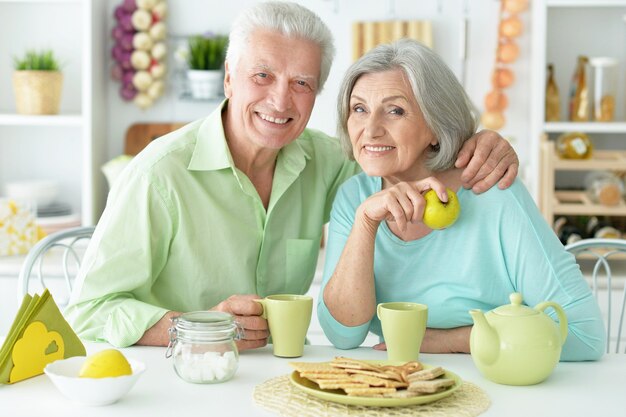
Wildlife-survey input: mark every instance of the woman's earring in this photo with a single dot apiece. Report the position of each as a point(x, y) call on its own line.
point(435, 147)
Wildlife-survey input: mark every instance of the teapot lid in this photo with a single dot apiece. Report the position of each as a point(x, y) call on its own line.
point(516, 308)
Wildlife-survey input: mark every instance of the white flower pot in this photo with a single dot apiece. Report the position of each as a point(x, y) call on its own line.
point(206, 84)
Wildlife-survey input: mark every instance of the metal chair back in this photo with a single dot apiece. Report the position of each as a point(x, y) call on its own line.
point(607, 259)
point(63, 248)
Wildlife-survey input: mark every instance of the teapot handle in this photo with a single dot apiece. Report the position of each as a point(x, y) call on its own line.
point(560, 313)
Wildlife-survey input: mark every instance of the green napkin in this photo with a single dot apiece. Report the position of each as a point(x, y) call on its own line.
point(38, 336)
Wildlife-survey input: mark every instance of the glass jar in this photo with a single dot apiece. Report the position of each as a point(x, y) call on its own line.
point(604, 188)
point(604, 88)
point(202, 344)
point(574, 145)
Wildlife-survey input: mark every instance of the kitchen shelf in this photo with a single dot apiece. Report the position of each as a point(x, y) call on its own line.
point(600, 160)
point(68, 147)
point(8, 119)
point(585, 3)
point(586, 127)
point(563, 30)
point(578, 203)
point(560, 202)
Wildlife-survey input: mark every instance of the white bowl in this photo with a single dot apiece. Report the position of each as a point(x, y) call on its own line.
point(43, 192)
point(91, 391)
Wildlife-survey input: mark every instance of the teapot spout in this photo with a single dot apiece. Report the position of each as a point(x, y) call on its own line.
point(484, 340)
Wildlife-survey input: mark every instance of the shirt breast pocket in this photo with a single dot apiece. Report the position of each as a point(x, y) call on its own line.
point(301, 263)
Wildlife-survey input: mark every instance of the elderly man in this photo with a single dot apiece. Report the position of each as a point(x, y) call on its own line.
point(231, 207)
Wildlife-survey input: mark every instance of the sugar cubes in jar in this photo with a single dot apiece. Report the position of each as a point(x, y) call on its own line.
point(202, 345)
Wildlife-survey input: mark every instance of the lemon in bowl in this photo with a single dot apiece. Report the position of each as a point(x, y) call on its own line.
point(99, 379)
point(108, 363)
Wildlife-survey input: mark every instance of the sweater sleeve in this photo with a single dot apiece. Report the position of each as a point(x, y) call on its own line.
point(542, 270)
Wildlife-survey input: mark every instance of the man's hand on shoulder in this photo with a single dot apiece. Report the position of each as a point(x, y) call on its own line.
point(248, 314)
point(488, 159)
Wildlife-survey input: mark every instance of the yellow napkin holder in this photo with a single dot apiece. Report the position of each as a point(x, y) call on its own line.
point(38, 336)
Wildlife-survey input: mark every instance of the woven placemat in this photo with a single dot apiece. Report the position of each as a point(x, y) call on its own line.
point(280, 396)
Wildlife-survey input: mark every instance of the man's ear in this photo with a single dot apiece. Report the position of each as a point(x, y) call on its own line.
point(227, 81)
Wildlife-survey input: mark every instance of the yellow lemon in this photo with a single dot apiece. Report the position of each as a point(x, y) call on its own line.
point(438, 215)
point(104, 364)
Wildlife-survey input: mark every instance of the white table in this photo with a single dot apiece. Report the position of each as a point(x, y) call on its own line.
point(574, 389)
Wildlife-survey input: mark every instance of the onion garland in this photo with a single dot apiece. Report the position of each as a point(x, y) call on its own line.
point(509, 27)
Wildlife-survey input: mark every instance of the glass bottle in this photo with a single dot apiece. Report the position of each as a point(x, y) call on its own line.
point(566, 232)
point(602, 229)
point(553, 105)
point(579, 92)
point(202, 345)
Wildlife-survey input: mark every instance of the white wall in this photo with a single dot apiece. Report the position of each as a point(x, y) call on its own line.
point(197, 16)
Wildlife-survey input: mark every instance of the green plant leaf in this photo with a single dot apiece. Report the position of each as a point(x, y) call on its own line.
point(37, 61)
point(207, 53)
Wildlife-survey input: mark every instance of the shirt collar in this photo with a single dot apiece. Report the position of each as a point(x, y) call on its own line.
point(211, 152)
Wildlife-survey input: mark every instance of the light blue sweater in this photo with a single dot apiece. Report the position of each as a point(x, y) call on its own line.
point(499, 245)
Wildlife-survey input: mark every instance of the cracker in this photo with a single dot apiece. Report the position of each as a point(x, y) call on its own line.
point(403, 394)
point(368, 392)
point(384, 375)
point(313, 366)
point(348, 363)
point(377, 381)
point(323, 373)
point(364, 379)
point(426, 374)
point(432, 386)
point(343, 384)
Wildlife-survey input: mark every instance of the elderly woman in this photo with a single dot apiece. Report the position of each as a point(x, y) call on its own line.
point(403, 116)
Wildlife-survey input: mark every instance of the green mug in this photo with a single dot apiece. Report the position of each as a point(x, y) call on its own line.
point(288, 317)
point(404, 325)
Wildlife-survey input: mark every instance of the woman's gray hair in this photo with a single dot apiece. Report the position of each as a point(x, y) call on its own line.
point(290, 19)
point(447, 109)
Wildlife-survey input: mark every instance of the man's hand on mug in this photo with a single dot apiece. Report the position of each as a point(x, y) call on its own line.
point(248, 314)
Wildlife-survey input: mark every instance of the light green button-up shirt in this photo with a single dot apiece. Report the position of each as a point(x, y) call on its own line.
point(184, 229)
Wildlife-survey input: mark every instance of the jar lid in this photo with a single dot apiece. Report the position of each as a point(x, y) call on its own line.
point(603, 61)
point(205, 326)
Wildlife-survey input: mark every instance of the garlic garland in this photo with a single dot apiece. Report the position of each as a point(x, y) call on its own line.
point(140, 52)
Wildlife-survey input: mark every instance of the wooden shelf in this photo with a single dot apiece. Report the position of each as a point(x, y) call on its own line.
point(556, 202)
point(586, 127)
point(586, 3)
point(578, 203)
point(600, 160)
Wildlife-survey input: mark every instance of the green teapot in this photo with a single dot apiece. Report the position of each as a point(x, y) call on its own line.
point(515, 344)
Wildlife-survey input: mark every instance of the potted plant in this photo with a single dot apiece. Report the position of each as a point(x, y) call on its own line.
point(37, 83)
point(205, 62)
